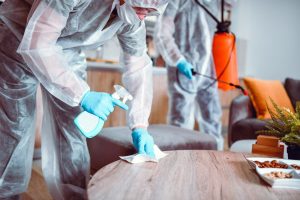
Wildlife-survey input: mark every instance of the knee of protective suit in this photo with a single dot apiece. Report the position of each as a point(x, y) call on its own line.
point(12, 191)
point(15, 197)
point(15, 170)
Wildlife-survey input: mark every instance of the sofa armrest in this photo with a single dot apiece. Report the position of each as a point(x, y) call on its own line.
point(292, 87)
point(240, 108)
point(245, 129)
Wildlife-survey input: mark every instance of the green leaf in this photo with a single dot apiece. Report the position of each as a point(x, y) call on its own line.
point(291, 139)
point(283, 124)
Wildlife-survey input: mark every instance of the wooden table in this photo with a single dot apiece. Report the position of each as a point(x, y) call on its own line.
point(208, 175)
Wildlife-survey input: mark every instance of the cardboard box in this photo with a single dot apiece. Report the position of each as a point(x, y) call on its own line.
point(270, 141)
point(268, 151)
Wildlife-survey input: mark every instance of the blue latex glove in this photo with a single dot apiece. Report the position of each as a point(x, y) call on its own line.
point(101, 104)
point(143, 141)
point(185, 68)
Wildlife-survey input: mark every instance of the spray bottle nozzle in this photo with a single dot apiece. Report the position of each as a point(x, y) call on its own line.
point(121, 93)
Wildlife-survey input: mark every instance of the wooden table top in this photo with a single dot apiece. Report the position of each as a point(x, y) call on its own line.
point(196, 174)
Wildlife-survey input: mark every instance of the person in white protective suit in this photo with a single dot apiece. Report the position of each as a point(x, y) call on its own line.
point(183, 38)
point(42, 42)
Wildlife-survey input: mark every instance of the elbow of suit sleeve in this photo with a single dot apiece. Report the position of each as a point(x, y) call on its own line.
point(137, 78)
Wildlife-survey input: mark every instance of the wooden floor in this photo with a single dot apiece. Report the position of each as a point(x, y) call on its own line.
point(37, 189)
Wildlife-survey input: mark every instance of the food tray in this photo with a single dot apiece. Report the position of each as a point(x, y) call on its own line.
point(293, 182)
point(293, 162)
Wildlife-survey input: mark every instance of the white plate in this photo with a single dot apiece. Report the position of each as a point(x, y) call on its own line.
point(290, 162)
point(293, 183)
point(277, 183)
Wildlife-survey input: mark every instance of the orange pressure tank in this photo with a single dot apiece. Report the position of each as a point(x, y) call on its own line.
point(224, 54)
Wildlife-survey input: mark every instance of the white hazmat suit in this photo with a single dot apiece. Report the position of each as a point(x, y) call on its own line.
point(49, 36)
point(184, 31)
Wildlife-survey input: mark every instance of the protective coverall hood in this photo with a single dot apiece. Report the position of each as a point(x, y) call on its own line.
point(158, 5)
point(128, 15)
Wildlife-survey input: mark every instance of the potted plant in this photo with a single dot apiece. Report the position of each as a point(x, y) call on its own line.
point(285, 125)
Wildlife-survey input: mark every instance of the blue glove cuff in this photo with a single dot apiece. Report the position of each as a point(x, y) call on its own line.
point(84, 97)
point(180, 62)
point(140, 131)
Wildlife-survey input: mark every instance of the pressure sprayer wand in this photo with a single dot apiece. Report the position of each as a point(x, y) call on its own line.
point(215, 79)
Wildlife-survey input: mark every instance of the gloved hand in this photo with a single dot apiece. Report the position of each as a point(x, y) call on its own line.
point(100, 104)
point(185, 68)
point(143, 141)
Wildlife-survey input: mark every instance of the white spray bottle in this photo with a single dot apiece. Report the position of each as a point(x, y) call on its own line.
point(90, 125)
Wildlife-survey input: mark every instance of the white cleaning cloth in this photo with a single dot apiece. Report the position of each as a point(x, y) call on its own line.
point(140, 158)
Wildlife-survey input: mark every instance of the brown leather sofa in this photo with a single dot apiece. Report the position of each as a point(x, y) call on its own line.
point(242, 116)
point(116, 141)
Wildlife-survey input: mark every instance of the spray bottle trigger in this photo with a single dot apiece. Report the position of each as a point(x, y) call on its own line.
point(116, 96)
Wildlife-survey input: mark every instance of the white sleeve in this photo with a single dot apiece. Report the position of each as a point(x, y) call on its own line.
point(45, 58)
point(137, 75)
point(163, 36)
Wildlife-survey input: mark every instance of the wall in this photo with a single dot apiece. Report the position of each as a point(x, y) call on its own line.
point(268, 34)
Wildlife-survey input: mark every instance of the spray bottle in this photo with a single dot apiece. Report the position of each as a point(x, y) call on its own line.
point(90, 125)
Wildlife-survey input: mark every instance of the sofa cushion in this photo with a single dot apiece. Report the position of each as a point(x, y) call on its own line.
point(116, 141)
point(292, 87)
point(246, 128)
point(261, 91)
